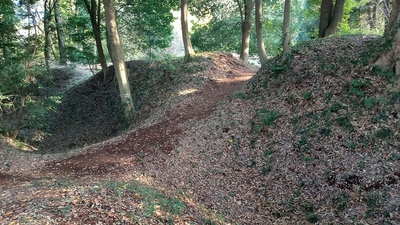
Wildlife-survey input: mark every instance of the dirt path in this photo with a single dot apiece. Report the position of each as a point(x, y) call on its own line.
point(117, 157)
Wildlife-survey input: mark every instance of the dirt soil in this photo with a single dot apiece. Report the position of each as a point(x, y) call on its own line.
point(118, 157)
point(312, 140)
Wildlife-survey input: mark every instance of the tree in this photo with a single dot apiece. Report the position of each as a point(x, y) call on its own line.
point(331, 16)
point(60, 32)
point(389, 59)
point(286, 30)
point(48, 8)
point(185, 29)
point(118, 59)
point(21, 70)
point(95, 18)
point(259, 31)
point(246, 26)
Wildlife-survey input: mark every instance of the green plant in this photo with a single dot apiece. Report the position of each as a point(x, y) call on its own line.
point(307, 95)
point(349, 144)
point(266, 170)
point(362, 164)
point(303, 144)
point(395, 97)
point(345, 122)
point(357, 87)
point(241, 95)
point(268, 117)
point(386, 74)
point(278, 70)
point(336, 106)
point(312, 218)
point(325, 131)
point(341, 200)
point(384, 133)
point(369, 102)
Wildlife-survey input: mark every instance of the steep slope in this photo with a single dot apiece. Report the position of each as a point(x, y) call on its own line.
point(314, 139)
point(91, 112)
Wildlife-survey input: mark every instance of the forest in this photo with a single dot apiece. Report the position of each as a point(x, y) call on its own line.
point(199, 111)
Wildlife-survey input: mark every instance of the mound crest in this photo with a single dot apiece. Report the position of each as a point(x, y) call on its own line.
point(91, 112)
point(313, 139)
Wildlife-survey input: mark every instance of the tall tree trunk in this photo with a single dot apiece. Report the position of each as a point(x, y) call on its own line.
point(246, 26)
point(46, 24)
point(94, 13)
point(389, 60)
point(185, 29)
point(259, 32)
point(330, 20)
point(60, 32)
point(118, 59)
point(18, 119)
point(286, 30)
point(372, 11)
point(393, 19)
point(325, 16)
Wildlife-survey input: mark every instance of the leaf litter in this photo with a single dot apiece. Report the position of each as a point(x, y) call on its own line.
point(312, 140)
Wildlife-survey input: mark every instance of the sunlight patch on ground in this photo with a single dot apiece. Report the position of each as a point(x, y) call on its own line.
point(188, 91)
point(18, 144)
point(235, 79)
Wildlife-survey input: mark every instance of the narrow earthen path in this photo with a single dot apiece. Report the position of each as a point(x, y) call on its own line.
point(115, 157)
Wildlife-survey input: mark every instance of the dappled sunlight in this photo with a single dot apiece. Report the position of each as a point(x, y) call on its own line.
point(235, 79)
point(188, 91)
point(19, 145)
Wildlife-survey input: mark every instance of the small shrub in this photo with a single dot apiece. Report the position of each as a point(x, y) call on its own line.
point(336, 106)
point(345, 122)
point(340, 201)
point(313, 218)
point(307, 95)
point(369, 103)
point(384, 133)
point(357, 87)
point(267, 117)
point(325, 131)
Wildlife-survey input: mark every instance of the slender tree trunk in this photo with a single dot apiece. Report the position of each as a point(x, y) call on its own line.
point(286, 30)
point(330, 20)
point(246, 26)
point(185, 29)
point(118, 60)
point(18, 119)
point(259, 31)
point(60, 32)
point(389, 60)
point(325, 16)
point(94, 12)
point(385, 7)
point(46, 25)
point(393, 19)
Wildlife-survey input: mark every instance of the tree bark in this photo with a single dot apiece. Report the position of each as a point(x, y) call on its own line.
point(246, 26)
point(325, 16)
point(286, 30)
point(185, 29)
point(18, 119)
point(259, 32)
point(118, 60)
point(330, 20)
point(46, 25)
point(60, 33)
point(389, 60)
point(94, 13)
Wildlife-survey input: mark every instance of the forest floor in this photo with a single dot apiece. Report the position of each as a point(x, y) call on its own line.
point(312, 140)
